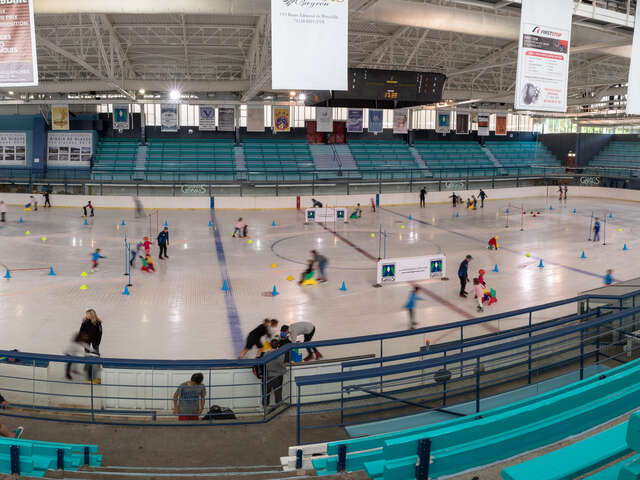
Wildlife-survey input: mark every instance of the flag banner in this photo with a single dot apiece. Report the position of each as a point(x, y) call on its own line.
point(501, 123)
point(255, 118)
point(227, 119)
point(375, 121)
point(121, 117)
point(633, 89)
point(18, 61)
point(355, 120)
point(324, 119)
point(483, 124)
point(401, 120)
point(299, 27)
point(443, 123)
point(462, 123)
point(543, 55)
point(13, 148)
point(281, 118)
point(169, 118)
point(60, 117)
point(66, 149)
point(207, 118)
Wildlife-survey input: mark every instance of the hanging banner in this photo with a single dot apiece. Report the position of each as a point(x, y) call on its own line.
point(375, 121)
point(324, 119)
point(168, 118)
point(501, 123)
point(462, 123)
point(633, 88)
point(401, 120)
point(121, 117)
point(18, 61)
point(227, 119)
point(483, 124)
point(443, 121)
point(60, 117)
point(255, 118)
point(13, 148)
point(281, 116)
point(355, 120)
point(301, 27)
point(69, 149)
point(543, 55)
point(207, 118)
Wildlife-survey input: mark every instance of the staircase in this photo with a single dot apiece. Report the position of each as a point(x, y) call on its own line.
point(345, 156)
point(324, 157)
point(238, 153)
point(491, 156)
point(141, 161)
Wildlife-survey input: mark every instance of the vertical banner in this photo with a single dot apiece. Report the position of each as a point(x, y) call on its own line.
point(227, 119)
point(375, 121)
point(121, 117)
point(301, 27)
point(633, 89)
point(355, 120)
point(18, 61)
point(281, 116)
point(324, 119)
point(483, 124)
point(207, 118)
point(401, 120)
point(255, 118)
point(501, 123)
point(462, 123)
point(443, 121)
point(60, 117)
point(169, 118)
point(543, 55)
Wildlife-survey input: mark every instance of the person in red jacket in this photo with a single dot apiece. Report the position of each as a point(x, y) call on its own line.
point(493, 243)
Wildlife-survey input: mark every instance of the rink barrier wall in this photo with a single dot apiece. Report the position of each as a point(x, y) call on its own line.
point(289, 202)
point(139, 391)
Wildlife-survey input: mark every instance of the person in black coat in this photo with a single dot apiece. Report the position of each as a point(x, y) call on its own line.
point(463, 275)
point(92, 326)
point(163, 241)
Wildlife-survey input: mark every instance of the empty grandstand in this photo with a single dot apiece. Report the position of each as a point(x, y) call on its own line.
point(115, 159)
point(618, 158)
point(522, 158)
point(383, 159)
point(272, 159)
point(446, 159)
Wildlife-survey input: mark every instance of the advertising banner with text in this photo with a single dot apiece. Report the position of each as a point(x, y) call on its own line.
point(483, 124)
point(207, 118)
point(633, 90)
point(355, 120)
point(18, 62)
point(324, 119)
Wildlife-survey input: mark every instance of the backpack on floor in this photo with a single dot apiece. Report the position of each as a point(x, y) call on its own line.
point(216, 412)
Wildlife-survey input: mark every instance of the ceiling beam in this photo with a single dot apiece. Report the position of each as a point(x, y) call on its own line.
point(376, 55)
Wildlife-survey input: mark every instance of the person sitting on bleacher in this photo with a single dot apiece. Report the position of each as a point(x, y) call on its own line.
point(4, 431)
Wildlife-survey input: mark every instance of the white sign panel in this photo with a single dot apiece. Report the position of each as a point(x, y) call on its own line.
point(411, 269)
point(169, 118)
point(325, 215)
point(324, 119)
point(401, 120)
point(483, 124)
point(255, 118)
point(207, 118)
point(13, 148)
point(69, 149)
point(543, 55)
point(314, 35)
point(633, 90)
point(18, 61)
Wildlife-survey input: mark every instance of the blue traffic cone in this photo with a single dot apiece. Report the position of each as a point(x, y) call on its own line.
point(507, 211)
point(7, 274)
point(610, 215)
point(122, 224)
point(583, 255)
point(273, 223)
point(85, 222)
point(51, 272)
point(166, 224)
point(210, 224)
point(574, 211)
point(343, 287)
point(495, 269)
point(410, 217)
point(274, 292)
point(540, 265)
point(624, 249)
point(550, 207)
point(457, 214)
point(225, 287)
point(126, 290)
point(20, 221)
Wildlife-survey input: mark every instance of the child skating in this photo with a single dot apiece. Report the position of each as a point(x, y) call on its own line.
point(478, 290)
point(147, 245)
point(596, 230)
point(493, 243)
point(147, 263)
point(411, 305)
point(95, 257)
point(240, 230)
point(89, 207)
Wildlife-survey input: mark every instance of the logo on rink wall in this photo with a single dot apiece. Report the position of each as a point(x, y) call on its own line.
point(589, 180)
point(194, 189)
point(454, 185)
point(389, 272)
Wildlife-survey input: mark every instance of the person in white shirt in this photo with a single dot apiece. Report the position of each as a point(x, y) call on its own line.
point(306, 330)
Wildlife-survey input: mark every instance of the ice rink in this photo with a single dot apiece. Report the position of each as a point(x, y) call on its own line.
point(181, 312)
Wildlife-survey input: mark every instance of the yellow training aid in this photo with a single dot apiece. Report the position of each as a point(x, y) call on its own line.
point(84, 274)
point(27, 209)
point(44, 239)
point(310, 281)
point(27, 232)
point(290, 277)
point(249, 241)
point(273, 265)
point(83, 287)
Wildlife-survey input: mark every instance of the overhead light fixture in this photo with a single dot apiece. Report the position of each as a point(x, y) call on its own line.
point(292, 93)
point(10, 92)
point(302, 97)
point(174, 95)
point(142, 91)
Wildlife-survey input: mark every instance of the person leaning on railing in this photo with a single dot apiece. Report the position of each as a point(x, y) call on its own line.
point(188, 401)
point(4, 431)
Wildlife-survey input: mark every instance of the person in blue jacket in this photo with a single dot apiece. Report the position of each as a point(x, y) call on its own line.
point(463, 274)
point(163, 241)
point(411, 305)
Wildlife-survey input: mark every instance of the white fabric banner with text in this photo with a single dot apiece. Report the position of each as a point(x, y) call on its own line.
point(633, 90)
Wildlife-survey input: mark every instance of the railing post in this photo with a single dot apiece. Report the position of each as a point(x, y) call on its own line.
point(15, 459)
point(424, 459)
point(342, 457)
point(298, 419)
point(477, 384)
point(598, 345)
point(461, 346)
point(529, 360)
point(60, 456)
point(298, 459)
point(581, 354)
point(86, 456)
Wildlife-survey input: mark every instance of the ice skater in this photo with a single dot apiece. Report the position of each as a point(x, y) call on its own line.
point(134, 253)
point(493, 243)
point(560, 193)
point(316, 203)
point(95, 257)
point(357, 213)
point(240, 230)
point(308, 273)
point(482, 196)
point(423, 197)
point(454, 199)
point(138, 206)
point(608, 278)
point(33, 204)
point(596, 230)
point(322, 263)
point(146, 243)
point(163, 242)
point(565, 192)
point(78, 347)
point(478, 290)
point(47, 201)
point(463, 275)
point(254, 339)
point(147, 264)
point(411, 305)
point(88, 207)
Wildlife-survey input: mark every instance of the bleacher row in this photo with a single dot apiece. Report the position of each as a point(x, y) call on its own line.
point(616, 158)
point(266, 159)
point(501, 433)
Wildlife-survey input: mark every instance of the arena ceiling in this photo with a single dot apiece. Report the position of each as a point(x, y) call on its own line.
point(220, 49)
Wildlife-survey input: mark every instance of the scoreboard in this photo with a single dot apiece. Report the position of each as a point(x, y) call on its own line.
point(386, 89)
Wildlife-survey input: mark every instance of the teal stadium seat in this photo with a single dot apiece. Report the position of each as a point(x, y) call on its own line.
point(115, 159)
point(278, 160)
point(523, 158)
point(455, 159)
point(617, 159)
point(387, 160)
